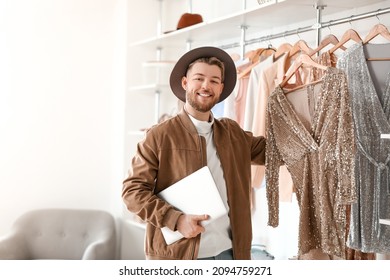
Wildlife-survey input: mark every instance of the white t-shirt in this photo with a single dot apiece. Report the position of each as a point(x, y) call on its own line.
point(217, 236)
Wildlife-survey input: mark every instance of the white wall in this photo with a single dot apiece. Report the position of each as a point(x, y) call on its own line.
point(62, 87)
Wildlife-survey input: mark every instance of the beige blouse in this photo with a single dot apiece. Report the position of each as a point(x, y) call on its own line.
point(317, 144)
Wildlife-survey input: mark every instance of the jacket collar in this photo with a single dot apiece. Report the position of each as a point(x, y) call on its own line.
point(186, 122)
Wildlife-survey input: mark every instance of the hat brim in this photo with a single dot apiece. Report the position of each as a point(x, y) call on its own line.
point(180, 69)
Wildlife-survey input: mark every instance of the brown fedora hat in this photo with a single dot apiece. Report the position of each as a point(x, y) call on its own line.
point(187, 20)
point(181, 66)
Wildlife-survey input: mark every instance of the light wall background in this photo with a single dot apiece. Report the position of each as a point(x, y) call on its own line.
point(62, 86)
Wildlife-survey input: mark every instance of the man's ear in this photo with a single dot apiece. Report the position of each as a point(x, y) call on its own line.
point(184, 82)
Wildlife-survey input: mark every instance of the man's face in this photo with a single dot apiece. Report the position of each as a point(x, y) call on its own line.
point(203, 86)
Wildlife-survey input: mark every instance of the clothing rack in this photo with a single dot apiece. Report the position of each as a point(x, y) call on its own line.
point(316, 26)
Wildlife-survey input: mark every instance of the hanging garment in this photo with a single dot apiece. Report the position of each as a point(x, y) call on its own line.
point(269, 78)
point(326, 59)
point(353, 254)
point(318, 148)
point(228, 107)
point(234, 104)
point(240, 100)
point(371, 112)
point(253, 91)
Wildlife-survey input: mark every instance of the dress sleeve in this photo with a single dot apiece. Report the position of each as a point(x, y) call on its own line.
point(272, 163)
point(346, 147)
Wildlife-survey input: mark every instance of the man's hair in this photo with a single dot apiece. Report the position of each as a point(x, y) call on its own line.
point(210, 61)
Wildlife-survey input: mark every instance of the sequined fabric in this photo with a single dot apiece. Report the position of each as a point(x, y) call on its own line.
point(371, 118)
point(320, 158)
point(326, 59)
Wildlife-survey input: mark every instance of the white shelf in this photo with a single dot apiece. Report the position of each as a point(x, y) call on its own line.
point(277, 13)
point(221, 28)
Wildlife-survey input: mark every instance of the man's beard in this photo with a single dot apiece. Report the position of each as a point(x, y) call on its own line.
point(198, 106)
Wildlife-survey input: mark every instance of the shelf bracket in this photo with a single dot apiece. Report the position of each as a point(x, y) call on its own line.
point(188, 45)
point(318, 26)
point(242, 41)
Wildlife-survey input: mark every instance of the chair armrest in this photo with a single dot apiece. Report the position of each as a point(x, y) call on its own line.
point(12, 247)
point(100, 250)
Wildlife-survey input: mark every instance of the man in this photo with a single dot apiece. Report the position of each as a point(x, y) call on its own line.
point(183, 144)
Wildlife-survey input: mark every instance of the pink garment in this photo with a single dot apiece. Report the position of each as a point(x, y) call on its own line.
point(253, 91)
point(240, 100)
point(269, 78)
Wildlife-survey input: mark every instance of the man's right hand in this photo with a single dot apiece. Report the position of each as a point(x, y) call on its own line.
point(189, 225)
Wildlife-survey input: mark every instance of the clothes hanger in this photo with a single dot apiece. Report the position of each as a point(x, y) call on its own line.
point(303, 59)
point(300, 47)
point(252, 55)
point(266, 52)
point(256, 57)
point(348, 35)
point(249, 58)
point(245, 60)
point(282, 49)
point(328, 40)
point(378, 29)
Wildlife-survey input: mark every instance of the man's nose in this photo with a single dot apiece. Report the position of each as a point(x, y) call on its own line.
point(206, 84)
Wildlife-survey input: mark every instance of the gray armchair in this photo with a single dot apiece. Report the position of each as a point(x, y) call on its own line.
point(60, 234)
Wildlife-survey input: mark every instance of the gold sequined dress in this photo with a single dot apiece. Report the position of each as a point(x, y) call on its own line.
point(319, 153)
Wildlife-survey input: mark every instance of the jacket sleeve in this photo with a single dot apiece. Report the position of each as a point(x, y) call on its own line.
point(138, 188)
point(258, 150)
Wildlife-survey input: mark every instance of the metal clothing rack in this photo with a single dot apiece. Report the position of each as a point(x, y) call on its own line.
point(317, 26)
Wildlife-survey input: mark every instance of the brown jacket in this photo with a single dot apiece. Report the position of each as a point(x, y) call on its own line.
point(171, 151)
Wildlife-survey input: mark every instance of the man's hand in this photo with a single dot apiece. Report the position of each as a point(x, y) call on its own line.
point(189, 225)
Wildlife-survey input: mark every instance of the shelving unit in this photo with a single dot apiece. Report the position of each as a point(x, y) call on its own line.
point(262, 18)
